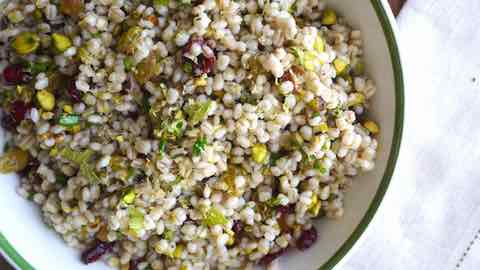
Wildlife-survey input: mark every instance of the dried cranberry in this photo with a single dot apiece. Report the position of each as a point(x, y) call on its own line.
point(8, 122)
point(290, 76)
point(15, 74)
point(287, 209)
point(287, 76)
point(133, 115)
point(73, 92)
point(307, 238)
point(237, 227)
point(134, 263)
point(267, 259)
point(94, 253)
point(18, 110)
point(4, 23)
point(207, 64)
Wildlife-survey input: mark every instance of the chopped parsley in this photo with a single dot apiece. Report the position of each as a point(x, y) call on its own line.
point(199, 146)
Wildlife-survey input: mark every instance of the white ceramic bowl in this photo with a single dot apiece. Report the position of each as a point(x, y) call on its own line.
point(28, 244)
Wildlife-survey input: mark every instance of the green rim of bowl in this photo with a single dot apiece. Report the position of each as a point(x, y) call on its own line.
point(389, 34)
point(8, 250)
point(13, 256)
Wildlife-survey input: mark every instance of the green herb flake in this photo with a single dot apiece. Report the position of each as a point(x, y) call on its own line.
point(81, 159)
point(75, 156)
point(7, 96)
point(38, 67)
point(337, 111)
point(326, 146)
point(162, 146)
point(168, 235)
point(176, 127)
point(198, 111)
point(319, 167)
point(61, 179)
point(297, 140)
point(187, 67)
point(273, 202)
point(185, 2)
point(135, 219)
point(69, 154)
point(146, 103)
point(37, 14)
point(292, 8)
point(128, 63)
point(69, 120)
point(6, 147)
point(85, 56)
point(199, 146)
point(161, 2)
point(170, 129)
point(128, 195)
point(15, 16)
point(274, 157)
point(299, 55)
point(88, 171)
point(212, 216)
point(86, 155)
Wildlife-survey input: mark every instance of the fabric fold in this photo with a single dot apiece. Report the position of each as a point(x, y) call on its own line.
point(430, 219)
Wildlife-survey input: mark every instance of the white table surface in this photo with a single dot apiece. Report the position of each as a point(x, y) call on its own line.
point(430, 218)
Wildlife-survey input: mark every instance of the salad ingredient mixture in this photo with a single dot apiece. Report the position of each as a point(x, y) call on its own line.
point(184, 134)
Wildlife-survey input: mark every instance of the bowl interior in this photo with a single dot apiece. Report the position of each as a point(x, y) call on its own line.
point(27, 236)
point(336, 237)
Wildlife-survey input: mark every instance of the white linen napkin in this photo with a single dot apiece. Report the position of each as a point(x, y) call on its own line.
point(430, 217)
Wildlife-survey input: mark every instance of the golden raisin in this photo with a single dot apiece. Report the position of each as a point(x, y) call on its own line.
point(71, 7)
point(14, 160)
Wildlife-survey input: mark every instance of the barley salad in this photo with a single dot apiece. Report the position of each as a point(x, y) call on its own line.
point(184, 134)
